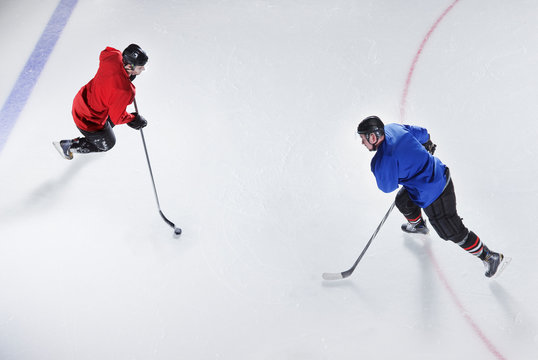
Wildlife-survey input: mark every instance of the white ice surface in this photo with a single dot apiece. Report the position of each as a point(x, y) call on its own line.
point(252, 109)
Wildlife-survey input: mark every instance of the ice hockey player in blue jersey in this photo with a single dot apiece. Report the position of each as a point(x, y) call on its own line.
point(404, 156)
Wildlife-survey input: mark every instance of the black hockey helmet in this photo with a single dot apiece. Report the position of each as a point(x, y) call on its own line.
point(372, 124)
point(134, 55)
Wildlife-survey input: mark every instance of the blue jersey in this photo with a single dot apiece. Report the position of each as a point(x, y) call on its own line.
point(402, 160)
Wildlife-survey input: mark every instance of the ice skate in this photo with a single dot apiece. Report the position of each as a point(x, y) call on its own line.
point(417, 228)
point(495, 263)
point(64, 148)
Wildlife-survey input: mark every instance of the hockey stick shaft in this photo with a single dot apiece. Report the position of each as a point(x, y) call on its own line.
point(347, 273)
point(176, 230)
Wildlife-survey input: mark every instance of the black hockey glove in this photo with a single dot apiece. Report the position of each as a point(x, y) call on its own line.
point(138, 122)
point(430, 146)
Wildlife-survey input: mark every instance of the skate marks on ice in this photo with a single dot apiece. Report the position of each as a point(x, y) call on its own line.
point(520, 321)
point(412, 243)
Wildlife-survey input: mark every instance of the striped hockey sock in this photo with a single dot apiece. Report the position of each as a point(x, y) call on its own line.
point(415, 226)
point(494, 262)
point(414, 222)
point(472, 244)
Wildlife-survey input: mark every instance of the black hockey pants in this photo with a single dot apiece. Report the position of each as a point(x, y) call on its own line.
point(95, 141)
point(442, 212)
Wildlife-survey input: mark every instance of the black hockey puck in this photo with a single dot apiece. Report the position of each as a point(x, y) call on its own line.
point(177, 231)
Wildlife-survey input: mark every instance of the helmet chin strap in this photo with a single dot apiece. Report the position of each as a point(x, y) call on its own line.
point(129, 67)
point(374, 144)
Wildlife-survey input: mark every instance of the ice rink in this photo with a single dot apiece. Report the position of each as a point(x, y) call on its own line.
point(252, 109)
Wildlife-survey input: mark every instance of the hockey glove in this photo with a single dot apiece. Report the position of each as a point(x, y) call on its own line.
point(138, 122)
point(430, 147)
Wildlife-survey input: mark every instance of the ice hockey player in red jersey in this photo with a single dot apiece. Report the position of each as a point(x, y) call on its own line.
point(101, 103)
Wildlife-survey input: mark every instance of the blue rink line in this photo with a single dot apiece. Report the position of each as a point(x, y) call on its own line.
point(27, 79)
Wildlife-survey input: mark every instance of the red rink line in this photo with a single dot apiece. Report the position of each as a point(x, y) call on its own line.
point(489, 345)
point(462, 309)
point(403, 101)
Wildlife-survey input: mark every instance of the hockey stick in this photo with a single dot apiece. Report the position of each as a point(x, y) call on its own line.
point(177, 231)
point(345, 274)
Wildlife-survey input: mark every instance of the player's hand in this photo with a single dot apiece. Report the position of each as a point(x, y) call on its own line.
point(430, 146)
point(138, 122)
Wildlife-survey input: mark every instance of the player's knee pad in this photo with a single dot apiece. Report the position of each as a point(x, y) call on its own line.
point(104, 144)
point(449, 228)
point(405, 205)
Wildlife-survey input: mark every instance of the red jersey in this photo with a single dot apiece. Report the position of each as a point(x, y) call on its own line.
point(107, 94)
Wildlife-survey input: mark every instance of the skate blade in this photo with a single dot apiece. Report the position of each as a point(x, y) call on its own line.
point(506, 261)
point(61, 151)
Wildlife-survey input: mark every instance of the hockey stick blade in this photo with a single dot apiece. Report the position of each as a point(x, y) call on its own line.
point(345, 274)
point(177, 231)
point(332, 276)
point(338, 276)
